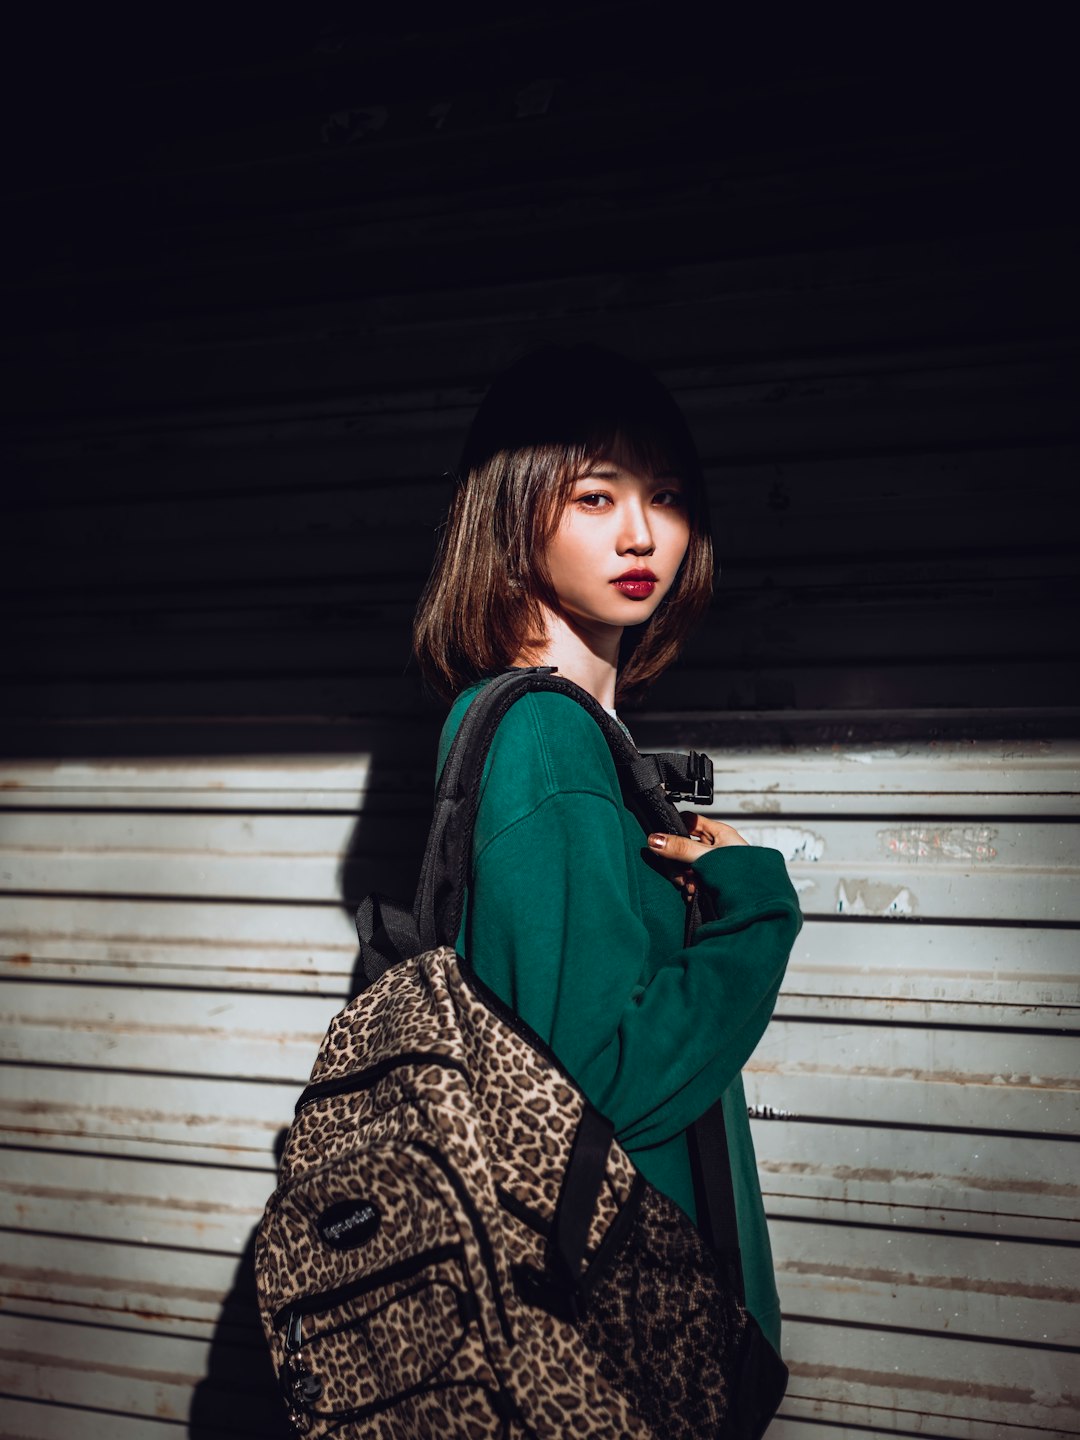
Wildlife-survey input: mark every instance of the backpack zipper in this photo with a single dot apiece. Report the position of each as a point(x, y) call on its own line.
point(291, 1313)
point(305, 1389)
point(479, 1229)
point(364, 1079)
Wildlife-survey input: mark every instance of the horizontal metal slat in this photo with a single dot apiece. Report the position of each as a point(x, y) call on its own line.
point(925, 1383)
point(962, 975)
point(152, 924)
point(930, 623)
point(200, 1120)
point(923, 1178)
point(27, 1420)
point(860, 684)
point(972, 776)
point(958, 974)
point(145, 1202)
point(183, 1032)
point(1016, 1081)
point(156, 1377)
point(998, 1289)
point(929, 1078)
point(867, 1423)
point(105, 1278)
point(895, 868)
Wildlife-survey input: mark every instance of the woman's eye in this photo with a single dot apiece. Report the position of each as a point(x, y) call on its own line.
point(668, 497)
point(594, 501)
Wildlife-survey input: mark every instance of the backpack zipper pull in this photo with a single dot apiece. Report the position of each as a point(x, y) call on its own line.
point(293, 1337)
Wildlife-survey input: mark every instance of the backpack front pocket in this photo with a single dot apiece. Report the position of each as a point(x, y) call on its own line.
point(397, 1313)
point(396, 1340)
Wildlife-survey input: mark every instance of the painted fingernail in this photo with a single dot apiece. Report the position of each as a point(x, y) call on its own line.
point(658, 841)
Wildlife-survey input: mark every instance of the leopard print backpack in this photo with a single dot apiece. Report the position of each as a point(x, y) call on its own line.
point(457, 1246)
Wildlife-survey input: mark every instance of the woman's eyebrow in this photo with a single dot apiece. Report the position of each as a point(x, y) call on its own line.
point(603, 470)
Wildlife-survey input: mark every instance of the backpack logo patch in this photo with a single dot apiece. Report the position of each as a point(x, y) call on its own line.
point(349, 1223)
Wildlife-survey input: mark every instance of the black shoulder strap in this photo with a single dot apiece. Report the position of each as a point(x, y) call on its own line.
point(440, 895)
point(650, 782)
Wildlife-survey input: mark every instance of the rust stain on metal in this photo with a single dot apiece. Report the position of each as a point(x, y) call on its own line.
point(39, 1275)
point(874, 1275)
point(128, 1027)
point(113, 1200)
point(19, 960)
point(908, 1072)
point(893, 1380)
point(72, 1362)
point(971, 844)
point(123, 1119)
point(849, 1174)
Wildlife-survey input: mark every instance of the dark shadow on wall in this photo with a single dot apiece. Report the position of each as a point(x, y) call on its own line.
point(239, 1394)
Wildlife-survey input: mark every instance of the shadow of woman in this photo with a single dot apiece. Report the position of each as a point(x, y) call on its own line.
point(239, 1394)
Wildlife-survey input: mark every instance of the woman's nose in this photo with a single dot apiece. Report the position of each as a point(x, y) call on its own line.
point(637, 536)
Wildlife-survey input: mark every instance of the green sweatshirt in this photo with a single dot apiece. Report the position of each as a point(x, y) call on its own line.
point(573, 923)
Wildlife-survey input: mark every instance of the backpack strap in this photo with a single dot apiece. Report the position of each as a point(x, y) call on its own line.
point(440, 895)
point(387, 935)
point(649, 784)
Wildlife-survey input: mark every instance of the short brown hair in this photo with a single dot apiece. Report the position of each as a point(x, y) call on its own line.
point(543, 421)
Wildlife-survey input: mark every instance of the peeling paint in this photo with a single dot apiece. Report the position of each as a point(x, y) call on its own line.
point(873, 897)
point(971, 843)
point(793, 841)
point(867, 757)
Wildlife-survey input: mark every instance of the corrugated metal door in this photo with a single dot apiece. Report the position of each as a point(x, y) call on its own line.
point(179, 944)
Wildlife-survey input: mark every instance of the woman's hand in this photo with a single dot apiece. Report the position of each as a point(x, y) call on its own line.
point(705, 834)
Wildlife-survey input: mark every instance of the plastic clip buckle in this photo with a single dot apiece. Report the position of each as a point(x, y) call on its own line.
point(699, 775)
point(539, 1289)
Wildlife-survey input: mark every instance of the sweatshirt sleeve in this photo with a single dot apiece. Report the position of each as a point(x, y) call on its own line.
point(652, 1044)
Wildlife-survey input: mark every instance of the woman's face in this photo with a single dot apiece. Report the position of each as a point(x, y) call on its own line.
point(619, 544)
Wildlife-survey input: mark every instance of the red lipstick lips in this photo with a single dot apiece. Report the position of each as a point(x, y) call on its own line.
point(636, 584)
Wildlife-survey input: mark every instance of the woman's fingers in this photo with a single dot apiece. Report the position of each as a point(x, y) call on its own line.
point(705, 835)
point(677, 847)
point(713, 832)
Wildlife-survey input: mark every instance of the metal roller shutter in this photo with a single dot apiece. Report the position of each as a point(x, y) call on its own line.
point(180, 944)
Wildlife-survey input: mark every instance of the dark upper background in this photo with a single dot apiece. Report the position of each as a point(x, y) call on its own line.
point(261, 271)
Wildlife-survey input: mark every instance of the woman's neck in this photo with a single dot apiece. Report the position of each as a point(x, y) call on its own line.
point(588, 658)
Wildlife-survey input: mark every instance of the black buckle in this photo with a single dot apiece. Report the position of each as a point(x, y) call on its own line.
point(535, 1287)
point(699, 777)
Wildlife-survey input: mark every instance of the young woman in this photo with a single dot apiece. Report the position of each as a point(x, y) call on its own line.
point(578, 537)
